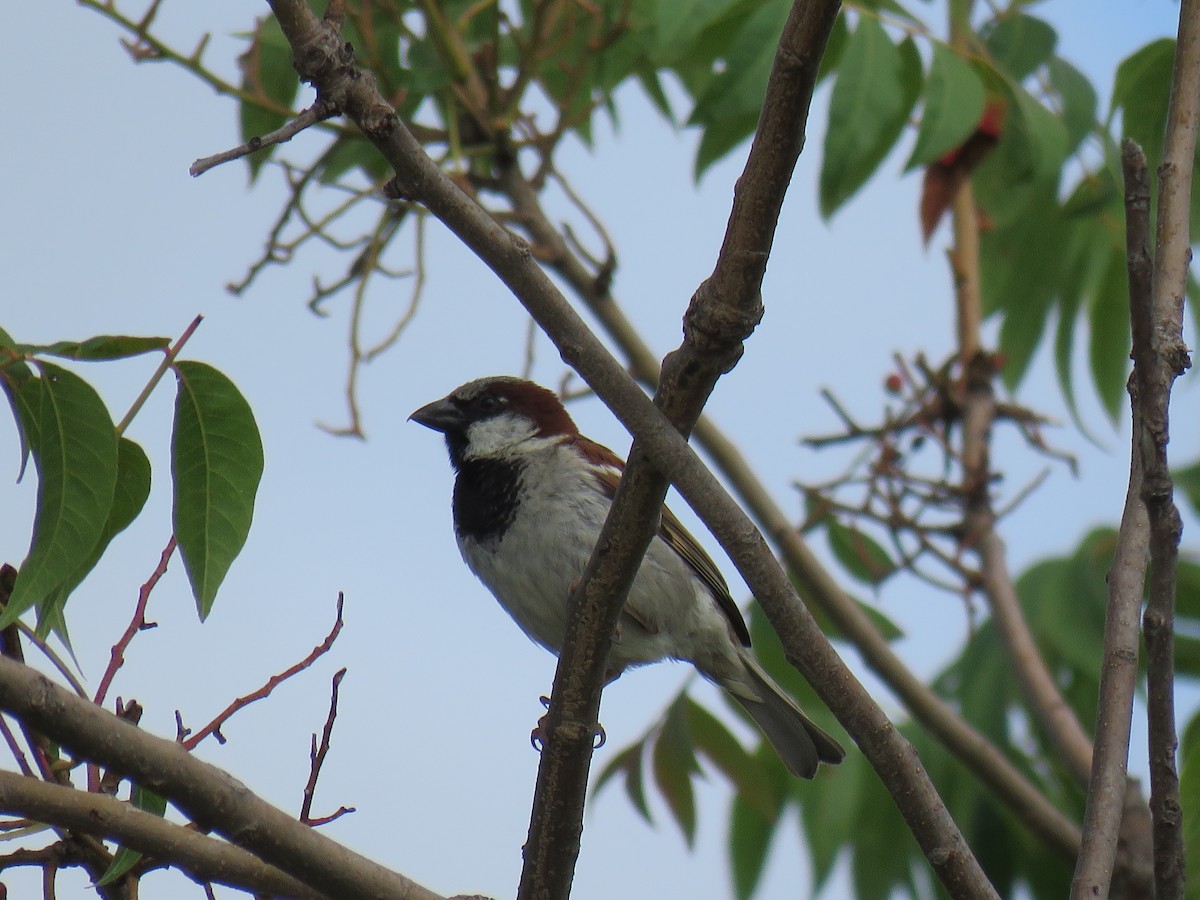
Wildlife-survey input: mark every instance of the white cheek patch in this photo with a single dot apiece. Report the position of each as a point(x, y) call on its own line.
point(491, 437)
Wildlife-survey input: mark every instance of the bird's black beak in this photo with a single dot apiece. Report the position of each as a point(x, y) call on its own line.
point(440, 415)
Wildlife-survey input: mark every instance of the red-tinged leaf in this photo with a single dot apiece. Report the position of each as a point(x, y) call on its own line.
point(953, 105)
point(945, 176)
point(674, 762)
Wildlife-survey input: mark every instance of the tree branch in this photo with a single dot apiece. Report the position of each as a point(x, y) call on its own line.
point(723, 312)
point(1159, 358)
point(1118, 675)
point(201, 857)
point(201, 791)
point(318, 112)
point(321, 58)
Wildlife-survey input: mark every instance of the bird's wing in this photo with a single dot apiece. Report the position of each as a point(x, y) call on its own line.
point(670, 529)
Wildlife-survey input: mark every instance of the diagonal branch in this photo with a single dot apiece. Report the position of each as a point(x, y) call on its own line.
point(201, 857)
point(321, 58)
point(201, 791)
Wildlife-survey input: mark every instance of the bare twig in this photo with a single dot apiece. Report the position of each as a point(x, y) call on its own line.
point(136, 623)
point(318, 112)
point(214, 727)
point(317, 755)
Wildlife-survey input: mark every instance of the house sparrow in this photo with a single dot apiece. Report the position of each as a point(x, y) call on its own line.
point(530, 497)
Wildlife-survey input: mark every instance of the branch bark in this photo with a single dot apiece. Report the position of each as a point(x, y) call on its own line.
point(322, 59)
point(204, 793)
point(1118, 675)
point(201, 857)
point(1159, 358)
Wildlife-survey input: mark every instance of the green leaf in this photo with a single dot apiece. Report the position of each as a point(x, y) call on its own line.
point(101, 348)
point(1188, 481)
point(1019, 43)
point(729, 105)
point(75, 452)
point(125, 859)
point(629, 763)
point(269, 77)
point(1187, 591)
point(130, 494)
point(1140, 91)
point(21, 388)
point(876, 88)
point(862, 555)
point(954, 99)
point(1189, 786)
point(1045, 136)
point(828, 813)
point(216, 464)
point(1078, 99)
point(673, 763)
point(752, 782)
point(882, 847)
point(1108, 349)
point(678, 23)
point(750, 831)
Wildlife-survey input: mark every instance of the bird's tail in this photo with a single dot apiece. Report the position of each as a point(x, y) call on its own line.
point(800, 744)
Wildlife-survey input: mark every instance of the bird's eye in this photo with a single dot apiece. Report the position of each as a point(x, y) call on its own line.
point(489, 403)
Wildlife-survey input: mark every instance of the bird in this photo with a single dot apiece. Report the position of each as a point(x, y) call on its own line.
point(530, 496)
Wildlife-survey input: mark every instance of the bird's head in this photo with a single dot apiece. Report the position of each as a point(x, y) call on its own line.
point(493, 417)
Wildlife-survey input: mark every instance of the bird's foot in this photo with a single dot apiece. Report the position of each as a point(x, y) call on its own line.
point(537, 737)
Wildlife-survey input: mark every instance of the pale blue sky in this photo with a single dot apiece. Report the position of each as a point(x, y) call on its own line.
point(107, 232)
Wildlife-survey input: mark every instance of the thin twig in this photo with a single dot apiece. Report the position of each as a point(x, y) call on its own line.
point(317, 756)
point(318, 112)
point(136, 623)
point(214, 727)
point(167, 360)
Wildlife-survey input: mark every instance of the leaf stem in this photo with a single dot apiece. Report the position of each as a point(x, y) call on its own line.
point(167, 361)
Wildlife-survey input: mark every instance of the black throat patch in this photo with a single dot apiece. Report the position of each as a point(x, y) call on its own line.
point(486, 494)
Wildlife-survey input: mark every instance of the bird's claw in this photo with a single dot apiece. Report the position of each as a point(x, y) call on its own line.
point(537, 737)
